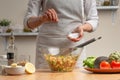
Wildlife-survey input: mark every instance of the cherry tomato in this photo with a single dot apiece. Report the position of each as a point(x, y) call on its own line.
point(115, 64)
point(105, 65)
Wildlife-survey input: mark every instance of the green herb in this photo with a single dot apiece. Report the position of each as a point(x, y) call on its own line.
point(89, 62)
point(5, 22)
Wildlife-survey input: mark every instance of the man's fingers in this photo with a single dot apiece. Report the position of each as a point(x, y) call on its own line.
point(51, 15)
point(55, 15)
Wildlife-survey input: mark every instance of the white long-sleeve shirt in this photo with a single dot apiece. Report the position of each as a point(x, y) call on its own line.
point(71, 14)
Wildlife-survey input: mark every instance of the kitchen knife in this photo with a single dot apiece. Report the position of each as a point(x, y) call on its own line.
point(89, 41)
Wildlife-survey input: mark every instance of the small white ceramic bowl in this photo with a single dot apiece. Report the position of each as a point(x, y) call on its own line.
point(15, 70)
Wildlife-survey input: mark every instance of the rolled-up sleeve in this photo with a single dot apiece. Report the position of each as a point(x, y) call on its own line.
point(91, 13)
point(33, 10)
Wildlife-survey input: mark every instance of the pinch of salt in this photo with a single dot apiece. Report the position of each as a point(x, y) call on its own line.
point(73, 35)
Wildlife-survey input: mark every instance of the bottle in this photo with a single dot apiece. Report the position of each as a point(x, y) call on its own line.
point(11, 50)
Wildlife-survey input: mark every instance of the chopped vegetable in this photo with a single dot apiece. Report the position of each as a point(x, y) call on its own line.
point(61, 63)
point(89, 62)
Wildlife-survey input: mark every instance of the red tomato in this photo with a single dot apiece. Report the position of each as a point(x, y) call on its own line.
point(115, 64)
point(105, 65)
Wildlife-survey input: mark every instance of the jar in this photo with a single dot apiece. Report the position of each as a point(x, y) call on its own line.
point(106, 3)
point(99, 2)
point(3, 62)
point(114, 2)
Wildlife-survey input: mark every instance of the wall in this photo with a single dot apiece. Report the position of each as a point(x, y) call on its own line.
point(15, 10)
point(109, 30)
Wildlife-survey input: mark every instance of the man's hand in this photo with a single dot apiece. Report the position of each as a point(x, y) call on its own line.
point(50, 16)
point(80, 32)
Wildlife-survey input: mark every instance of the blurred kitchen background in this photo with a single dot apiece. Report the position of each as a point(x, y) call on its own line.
point(109, 29)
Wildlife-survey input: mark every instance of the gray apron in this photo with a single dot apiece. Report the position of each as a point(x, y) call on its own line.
point(55, 34)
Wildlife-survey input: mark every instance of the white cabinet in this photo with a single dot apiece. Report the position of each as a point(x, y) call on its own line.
point(19, 34)
point(107, 4)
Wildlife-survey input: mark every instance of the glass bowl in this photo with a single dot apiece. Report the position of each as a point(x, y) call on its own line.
point(61, 59)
